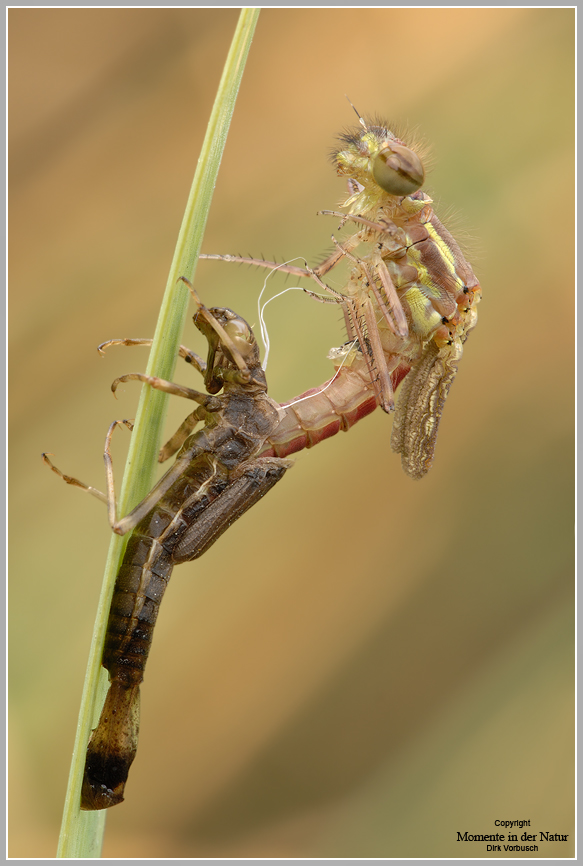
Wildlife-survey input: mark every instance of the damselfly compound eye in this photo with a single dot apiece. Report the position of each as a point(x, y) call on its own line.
point(398, 170)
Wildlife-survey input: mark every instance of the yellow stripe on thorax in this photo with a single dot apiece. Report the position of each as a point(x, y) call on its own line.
point(447, 266)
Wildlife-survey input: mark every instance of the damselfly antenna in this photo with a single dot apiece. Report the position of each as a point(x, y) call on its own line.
point(360, 119)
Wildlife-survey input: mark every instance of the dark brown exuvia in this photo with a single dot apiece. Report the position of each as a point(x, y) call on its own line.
point(217, 476)
point(220, 472)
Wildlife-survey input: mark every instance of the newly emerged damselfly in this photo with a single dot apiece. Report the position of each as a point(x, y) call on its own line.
point(410, 299)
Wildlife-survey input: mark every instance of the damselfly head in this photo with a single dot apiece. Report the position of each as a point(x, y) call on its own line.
point(379, 161)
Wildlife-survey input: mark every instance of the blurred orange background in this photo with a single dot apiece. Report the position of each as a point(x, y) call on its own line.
point(363, 665)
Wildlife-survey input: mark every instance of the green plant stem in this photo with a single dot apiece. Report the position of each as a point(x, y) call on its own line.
point(82, 832)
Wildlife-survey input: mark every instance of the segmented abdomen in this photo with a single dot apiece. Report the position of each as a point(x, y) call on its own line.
point(322, 412)
point(146, 569)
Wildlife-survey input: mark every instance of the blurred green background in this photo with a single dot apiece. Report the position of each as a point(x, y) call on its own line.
point(363, 665)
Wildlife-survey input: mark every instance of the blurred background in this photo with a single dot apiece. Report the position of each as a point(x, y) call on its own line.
point(363, 665)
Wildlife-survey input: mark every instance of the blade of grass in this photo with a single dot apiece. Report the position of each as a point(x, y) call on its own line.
point(82, 832)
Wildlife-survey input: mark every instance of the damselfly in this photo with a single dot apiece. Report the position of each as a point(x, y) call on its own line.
point(410, 299)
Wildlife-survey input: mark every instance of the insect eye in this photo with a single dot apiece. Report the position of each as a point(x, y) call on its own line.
point(398, 170)
point(240, 334)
